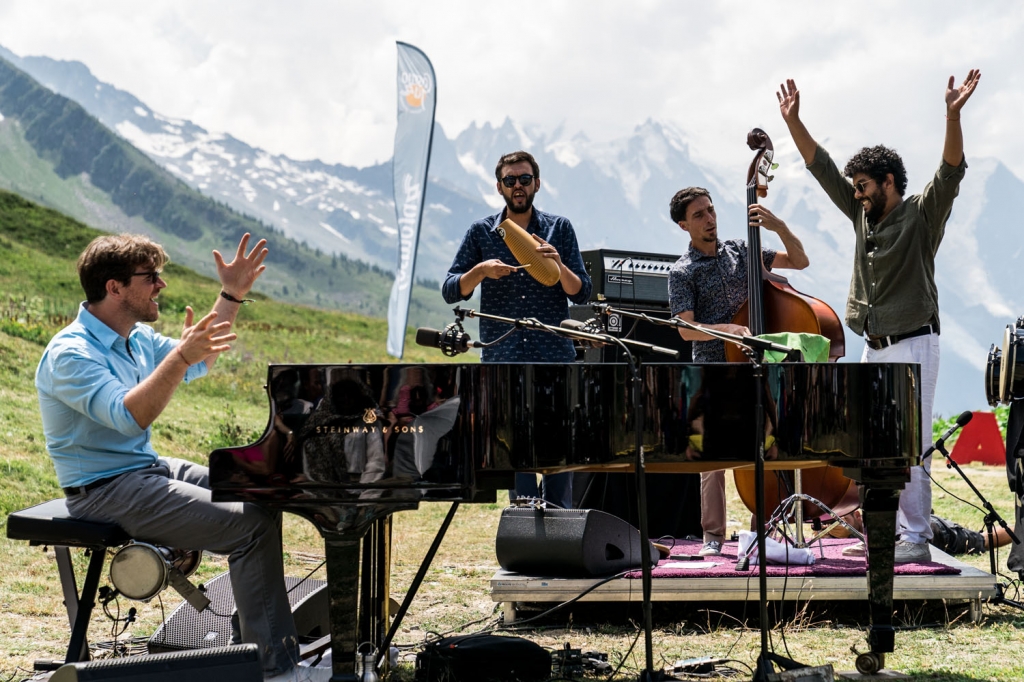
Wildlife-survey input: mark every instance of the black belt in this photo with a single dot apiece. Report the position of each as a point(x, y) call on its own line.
point(83, 489)
point(886, 341)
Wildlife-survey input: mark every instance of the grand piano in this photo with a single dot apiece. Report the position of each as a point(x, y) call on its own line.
point(346, 446)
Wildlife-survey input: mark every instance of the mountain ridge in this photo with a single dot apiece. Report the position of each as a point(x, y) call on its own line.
point(616, 194)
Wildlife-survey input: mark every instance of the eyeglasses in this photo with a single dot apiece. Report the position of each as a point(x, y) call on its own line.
point(510, 180)
point(153, 275)
point(862, 185)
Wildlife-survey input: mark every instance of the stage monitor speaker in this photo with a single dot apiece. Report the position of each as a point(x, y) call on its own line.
point(235, 663)
point(634, 329)
point(188, 629)
point(567, 543)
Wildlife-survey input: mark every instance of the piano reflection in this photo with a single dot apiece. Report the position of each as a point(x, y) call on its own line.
point(346, 446)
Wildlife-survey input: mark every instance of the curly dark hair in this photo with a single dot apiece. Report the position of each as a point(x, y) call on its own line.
point(682, 199)
point(876, 162)
point(513, 158)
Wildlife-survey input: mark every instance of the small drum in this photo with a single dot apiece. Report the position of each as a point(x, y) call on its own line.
point(140, 571)
point(1011, 370)
point(995, 356)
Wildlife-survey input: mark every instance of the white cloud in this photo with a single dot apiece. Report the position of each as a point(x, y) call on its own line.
point(316, 80)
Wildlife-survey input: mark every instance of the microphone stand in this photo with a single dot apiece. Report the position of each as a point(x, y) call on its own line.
point(754, 348)
point(991, 518)
point(535, 324)
point(648, 675)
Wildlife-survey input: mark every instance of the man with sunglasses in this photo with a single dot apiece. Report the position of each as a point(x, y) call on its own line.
point(484, 260)
point(102, 382)
point(893, 300)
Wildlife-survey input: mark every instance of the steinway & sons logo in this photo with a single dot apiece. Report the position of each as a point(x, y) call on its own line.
point(369, 417)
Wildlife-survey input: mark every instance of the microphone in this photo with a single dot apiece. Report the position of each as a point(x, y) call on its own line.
point(451, 341)
point(591, 326)
point(574, 325)
point(961, 421)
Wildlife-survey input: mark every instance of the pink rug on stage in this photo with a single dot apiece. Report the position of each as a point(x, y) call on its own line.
point(833, 564)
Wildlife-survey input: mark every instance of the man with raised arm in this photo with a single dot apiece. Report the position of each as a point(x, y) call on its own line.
point(893, 300)
point(106, 377)
point(708, 285)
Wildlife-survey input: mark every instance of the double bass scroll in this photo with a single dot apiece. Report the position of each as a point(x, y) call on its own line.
point(773, 305)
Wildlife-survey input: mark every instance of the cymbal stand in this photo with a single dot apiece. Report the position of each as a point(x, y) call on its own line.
point(992, 517)
point(791, 508)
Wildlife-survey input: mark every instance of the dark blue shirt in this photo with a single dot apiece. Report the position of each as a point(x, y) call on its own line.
point(713, 287)
point(519, 295)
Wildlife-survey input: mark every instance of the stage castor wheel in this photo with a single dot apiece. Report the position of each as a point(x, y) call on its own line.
point(870, 663)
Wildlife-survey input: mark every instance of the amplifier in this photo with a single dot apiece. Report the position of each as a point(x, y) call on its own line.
point(633, 329)
point(629, 276)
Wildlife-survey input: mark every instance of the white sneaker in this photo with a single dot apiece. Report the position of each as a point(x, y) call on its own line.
point(711, 548)
point(302, 674)
point(856, 549)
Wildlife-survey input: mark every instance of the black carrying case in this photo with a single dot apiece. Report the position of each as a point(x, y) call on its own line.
point(483, 658)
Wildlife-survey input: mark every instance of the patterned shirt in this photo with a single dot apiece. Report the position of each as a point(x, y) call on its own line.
point(519, 295)
point(713, 287)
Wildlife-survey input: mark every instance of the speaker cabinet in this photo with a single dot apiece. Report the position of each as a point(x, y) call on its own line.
point(235, 663)
point(567, 543)
point(187, 629)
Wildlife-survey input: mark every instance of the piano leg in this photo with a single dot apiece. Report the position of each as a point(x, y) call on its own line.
point(879, 507)
point(358, 591)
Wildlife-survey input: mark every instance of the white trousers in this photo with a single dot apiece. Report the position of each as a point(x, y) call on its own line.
point(913, 522)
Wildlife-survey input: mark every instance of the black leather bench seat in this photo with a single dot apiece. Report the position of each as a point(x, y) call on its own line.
point(50, 523)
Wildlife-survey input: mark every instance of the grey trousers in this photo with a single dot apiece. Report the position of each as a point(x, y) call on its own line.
point(169, 504)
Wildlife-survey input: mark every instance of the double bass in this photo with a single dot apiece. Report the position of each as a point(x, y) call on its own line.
point(773, 305)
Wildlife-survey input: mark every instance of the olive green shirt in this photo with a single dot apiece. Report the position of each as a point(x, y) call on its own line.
point(892, 290)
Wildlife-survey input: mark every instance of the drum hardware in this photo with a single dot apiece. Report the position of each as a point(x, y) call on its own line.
point(140, 571)
point(992, 368)
point(1011, 363)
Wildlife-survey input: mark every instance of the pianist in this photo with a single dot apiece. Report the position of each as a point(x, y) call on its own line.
point(708, 285)
point(893, 300)
point(484, 259)
point(102, 382)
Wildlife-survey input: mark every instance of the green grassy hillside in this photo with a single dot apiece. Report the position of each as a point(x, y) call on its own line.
point(55, 153)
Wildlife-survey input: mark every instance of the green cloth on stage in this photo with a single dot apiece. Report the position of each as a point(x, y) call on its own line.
point(814, 347)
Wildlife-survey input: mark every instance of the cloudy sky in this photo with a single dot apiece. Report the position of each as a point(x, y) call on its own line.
point(316, 79)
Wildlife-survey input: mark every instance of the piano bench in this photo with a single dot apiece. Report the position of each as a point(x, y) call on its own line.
point(50, 524)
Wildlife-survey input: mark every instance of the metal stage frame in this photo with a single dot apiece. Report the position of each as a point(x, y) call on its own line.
point(971, 585)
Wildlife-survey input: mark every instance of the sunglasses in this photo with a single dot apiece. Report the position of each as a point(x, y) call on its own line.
point(862, 185)
point(153, 275)
point(510, 180)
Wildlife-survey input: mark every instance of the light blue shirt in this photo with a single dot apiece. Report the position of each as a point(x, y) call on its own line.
point(84, 375)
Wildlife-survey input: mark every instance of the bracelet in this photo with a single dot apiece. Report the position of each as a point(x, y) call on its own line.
point(181, 355)
point(952, 119)
point(240, 301)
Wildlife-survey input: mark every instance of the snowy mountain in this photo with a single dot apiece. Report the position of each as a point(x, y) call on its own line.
point(616, 193)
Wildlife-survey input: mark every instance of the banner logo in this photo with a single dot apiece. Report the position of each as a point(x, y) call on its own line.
point(414, 90)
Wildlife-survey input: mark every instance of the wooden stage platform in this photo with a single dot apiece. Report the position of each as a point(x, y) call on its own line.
point(970, 585)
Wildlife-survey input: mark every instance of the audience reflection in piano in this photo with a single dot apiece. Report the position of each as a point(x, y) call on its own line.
point(383, 437)
point(343, 440)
